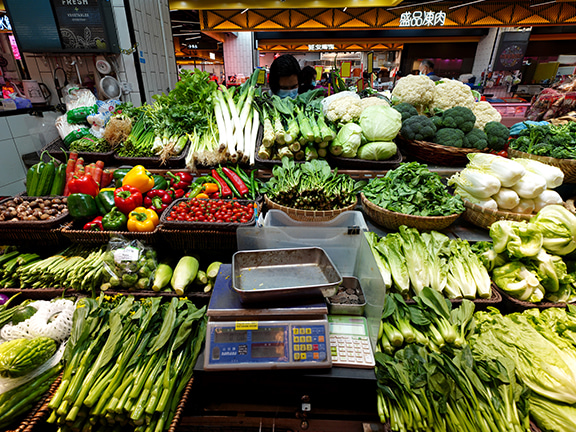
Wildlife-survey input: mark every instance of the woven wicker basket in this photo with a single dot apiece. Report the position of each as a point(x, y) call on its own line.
point(484, 217)
point(77, 235)
point(436, 154)
point(481, 303)
point(568, 166)
point(309, 215)
point(40, 412)
point(393, 220)
point(515, 304)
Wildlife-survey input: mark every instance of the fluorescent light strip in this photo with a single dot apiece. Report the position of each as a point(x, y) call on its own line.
point(187, 34)
point(414, 5)
point(466, 4)
point(542, 4)
point(344, 10)
point(244, 11)
point(193, 37)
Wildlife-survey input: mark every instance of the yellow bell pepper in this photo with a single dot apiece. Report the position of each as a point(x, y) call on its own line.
point(142, 219)
point(139, 178)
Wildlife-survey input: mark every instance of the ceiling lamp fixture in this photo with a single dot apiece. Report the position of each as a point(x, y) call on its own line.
point(415, 4)
point(244, 11)
point(542, 4)
point(344, 10)
point(466, 4)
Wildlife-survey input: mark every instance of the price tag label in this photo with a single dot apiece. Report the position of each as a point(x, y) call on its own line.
point(129, 253)
point(261, 77)
point(246, 325)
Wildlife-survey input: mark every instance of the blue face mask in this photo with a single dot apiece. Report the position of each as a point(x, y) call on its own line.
point(313, 83)
point(282, 93)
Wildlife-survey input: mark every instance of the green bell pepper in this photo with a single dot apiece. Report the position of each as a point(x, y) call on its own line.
point(105, 201)
point(160, 182)
point(119, 175)
point(115, 220)
point(82, 206)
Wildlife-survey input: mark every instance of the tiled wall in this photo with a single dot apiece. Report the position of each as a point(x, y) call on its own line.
point(484, 51)
point(238, 54)
point(21, 134)
point(153, 33)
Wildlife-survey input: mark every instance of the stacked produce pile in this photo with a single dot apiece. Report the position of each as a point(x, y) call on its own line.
point(127, 363)
point(446, 113)
point(413, 189)
point(531, 261)
point(294, 128)
point(367, 126)
point(547, 140)
point(517, 185)
point(430, 379)
point(32, 340)
point(311, 186)
point(409, 261)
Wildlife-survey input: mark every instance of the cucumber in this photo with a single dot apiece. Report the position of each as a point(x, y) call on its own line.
point(162, 277)
point(184, 273)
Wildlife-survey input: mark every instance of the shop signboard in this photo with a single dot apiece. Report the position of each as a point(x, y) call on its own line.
point(5, 23)
point(346, 69)
point(511, 50)
point(422, 18)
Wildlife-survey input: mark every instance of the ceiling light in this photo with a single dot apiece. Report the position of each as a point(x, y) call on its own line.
point(344, 10)
point(193, 37)
point(466, 4)
point(187, 34)
point(244, 11)
point(416, 4)
point(542, 4)
point(179, 25)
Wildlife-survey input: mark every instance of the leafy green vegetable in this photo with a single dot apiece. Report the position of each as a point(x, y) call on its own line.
point(413, 189)
point(558, 227)
point(520, 239)
point(547, 140)
point(347, 141)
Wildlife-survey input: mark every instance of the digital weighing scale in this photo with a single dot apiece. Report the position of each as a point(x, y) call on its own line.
point(283, 335)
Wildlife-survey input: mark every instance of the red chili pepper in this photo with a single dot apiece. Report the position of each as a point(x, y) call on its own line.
point(236, 181)
point(180, 180)
point(84, 184)
point(225, 191)
point(127, 198)
point(94, 225)
point(158, 200)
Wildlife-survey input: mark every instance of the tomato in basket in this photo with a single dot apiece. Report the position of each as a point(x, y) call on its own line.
point(217, 211)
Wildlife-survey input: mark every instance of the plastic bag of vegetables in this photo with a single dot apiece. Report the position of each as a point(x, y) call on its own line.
point(128, 265)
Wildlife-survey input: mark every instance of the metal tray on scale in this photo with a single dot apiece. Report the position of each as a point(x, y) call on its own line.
point(277, 274)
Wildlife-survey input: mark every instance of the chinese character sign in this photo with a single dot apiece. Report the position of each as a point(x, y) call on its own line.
point(422, 19)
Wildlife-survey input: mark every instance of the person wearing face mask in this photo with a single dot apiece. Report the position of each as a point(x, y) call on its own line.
point(284, 76)
point(427, 68)
point(307, 79)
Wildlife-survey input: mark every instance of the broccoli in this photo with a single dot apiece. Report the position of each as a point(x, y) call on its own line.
point(450, 137)
point(459, 118)
point(437, 120)
point(406, 110)
point(418, 128)
point(477, 139)
point(497, 135)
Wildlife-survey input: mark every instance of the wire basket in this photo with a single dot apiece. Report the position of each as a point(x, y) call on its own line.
point(436, 154)
point(484, 217)
point(393, 220)
point(568, 166)
point(309, 215)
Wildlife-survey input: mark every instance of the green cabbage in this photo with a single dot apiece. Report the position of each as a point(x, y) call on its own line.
point(347, 141)
point(558, 226)
point(380, 123)
point(378, 151)
point(521, 239)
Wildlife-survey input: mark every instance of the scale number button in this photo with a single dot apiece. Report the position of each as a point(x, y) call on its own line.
point(302, 339)
point(295, 330)
point(315, 347)
point(316, 356)
point(308, 330)
point(296, 347)
point(302, 356)
point(308, 339)
point(303, 347)
point(296, 339)
point(309, 347)
point(302, 330)
point(296, 356)
point(320, 338)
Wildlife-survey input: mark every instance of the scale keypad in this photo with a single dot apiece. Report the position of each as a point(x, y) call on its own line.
point(308, 343)
point(351, 351)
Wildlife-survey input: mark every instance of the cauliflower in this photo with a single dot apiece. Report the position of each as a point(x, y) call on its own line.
point(451, 93)
point(344, 110)
point(417, 90)
point(485, 113)
point(369, 101)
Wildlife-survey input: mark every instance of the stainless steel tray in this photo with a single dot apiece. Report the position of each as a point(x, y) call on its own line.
point(350, 284)
point(276, 274)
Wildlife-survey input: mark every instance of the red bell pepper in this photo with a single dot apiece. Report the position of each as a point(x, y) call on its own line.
point(177, 193)
point(94, 225)
point(127, 198)
point(158, 200)
point(181, 180)
point(225, 190)
point(84, 184)
point(236, 181)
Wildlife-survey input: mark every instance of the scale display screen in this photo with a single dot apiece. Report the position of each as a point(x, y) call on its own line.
point(237, 345)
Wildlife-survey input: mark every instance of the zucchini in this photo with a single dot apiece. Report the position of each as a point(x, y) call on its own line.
point(184, 273)
point(213, 269)
point(201, 278)
point(162, 277)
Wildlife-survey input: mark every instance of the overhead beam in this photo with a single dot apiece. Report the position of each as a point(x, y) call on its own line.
point(274, 4)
